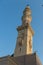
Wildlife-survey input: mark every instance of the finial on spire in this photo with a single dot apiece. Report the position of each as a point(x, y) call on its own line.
point(27, 6)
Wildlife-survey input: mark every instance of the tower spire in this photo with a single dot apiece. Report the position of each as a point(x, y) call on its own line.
point(26, 18)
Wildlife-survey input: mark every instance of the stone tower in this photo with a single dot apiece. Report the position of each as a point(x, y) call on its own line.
point(25, 34)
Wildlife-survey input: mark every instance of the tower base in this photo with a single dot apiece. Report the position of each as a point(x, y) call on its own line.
point(32, 59)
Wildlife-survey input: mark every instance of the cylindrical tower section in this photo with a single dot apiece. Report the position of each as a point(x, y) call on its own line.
point(26, 18)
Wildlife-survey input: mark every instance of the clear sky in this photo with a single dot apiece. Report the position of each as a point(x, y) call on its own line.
point(10, 17)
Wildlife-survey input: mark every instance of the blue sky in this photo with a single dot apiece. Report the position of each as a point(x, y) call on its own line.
point(10, 17)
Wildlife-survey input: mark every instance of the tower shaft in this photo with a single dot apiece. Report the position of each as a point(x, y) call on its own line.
point(25, 33)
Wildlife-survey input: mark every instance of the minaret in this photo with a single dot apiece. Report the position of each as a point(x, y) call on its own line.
point(25, 34)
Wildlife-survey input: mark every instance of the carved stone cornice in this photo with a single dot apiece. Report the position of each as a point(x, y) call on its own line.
point(25, 26)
